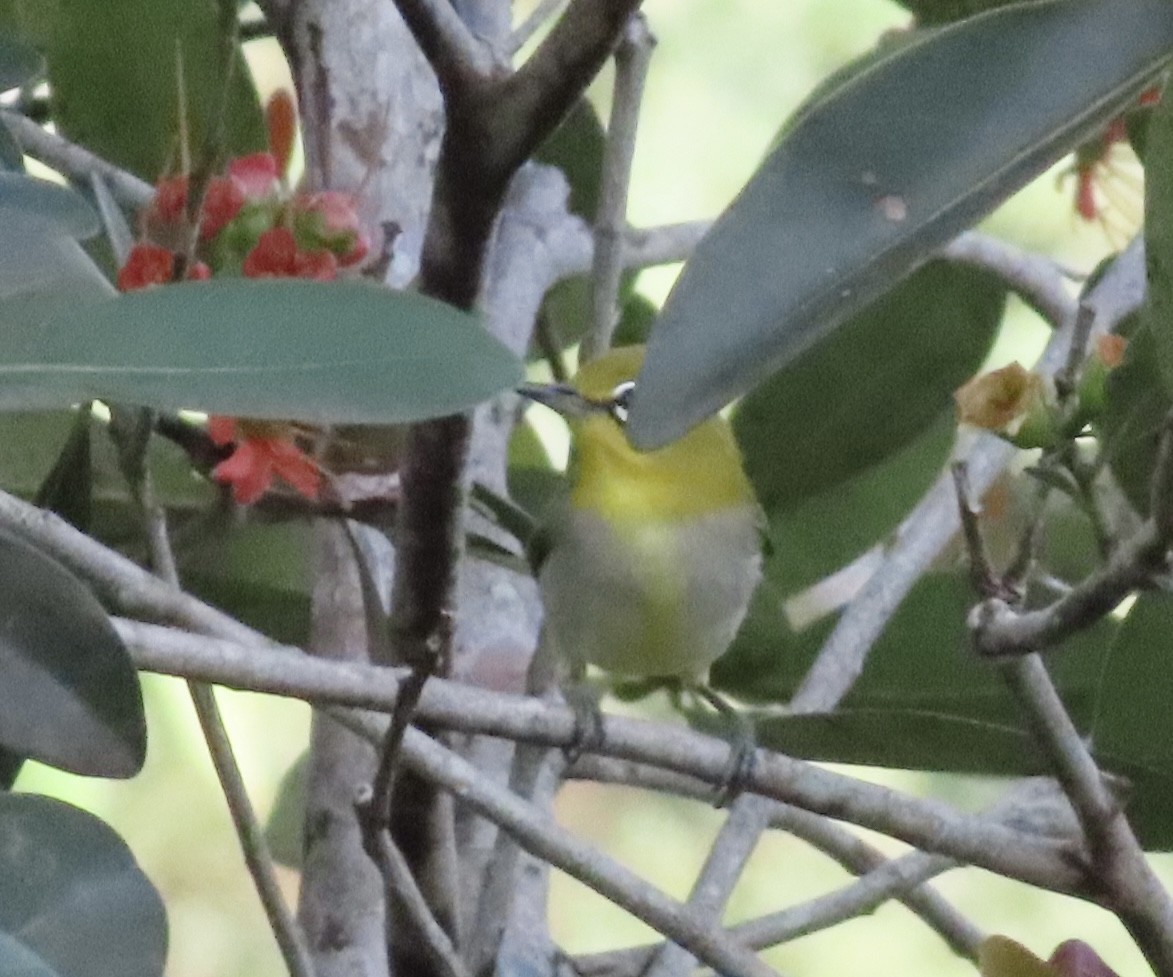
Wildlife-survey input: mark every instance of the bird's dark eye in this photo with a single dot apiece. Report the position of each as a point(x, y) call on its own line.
point(620, 400)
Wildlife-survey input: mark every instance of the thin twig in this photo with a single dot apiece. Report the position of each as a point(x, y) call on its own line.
point(76, 162)
point(837, 842)
point(923, 823)
point(546, 839)
point(532, 24)
point(401, 886)
point(1132, 889)
point(535, 99)
point(997, 629)
point(932, 523)
point(632, 57)
point(1035, 278)
point(249, 832)
point(251, 835)
point(749, 816)
point(457, 57)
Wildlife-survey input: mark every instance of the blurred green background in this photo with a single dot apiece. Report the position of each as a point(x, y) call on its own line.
point(724, 77)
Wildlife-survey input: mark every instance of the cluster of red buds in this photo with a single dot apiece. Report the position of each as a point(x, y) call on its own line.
point(250, 224)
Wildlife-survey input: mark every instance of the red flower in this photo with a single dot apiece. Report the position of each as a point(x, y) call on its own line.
point(256, 175)
point(328, 219)
point(222, 202)
point(276, 255)
point(149, 264)
point(263, 450)
point(249, 178)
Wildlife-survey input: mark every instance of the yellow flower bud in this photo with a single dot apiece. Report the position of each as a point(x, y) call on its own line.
point(1013, 403)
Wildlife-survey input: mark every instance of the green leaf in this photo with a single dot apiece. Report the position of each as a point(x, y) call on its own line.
point(1134, 723)
point(68, 489)
point(69, 696)
point(1157, 313)
point(37, 202)
point(1137, 405)
point(42, 274)
point(827, 531)
point(11, 155)
point(284, 831)
point(324, 353)
point(576, 148)
point(877, 177)
point(18, 62)
point(126, 109)
point(72, 897)
point(258, 573)
point(904, 739)
point(921, 664)
point(870, 388)
point(946, 11)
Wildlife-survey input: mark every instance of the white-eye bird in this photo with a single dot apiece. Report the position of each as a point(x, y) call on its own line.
point(648, 568)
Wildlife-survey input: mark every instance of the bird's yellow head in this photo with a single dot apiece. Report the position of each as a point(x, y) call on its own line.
point(697, 474)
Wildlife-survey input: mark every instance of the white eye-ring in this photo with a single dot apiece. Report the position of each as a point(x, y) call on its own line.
point(620, 400)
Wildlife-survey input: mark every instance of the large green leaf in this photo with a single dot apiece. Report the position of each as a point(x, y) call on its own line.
point(827, 531)
point(1134, 723)
point(285, 829)
point(921, 664)
point(871, 387)
point(39, 202)
point(122, 102)
point(327, 353)
point(1137, 404)
point(73, 902)
point(42, 272)
point(69, 695)
point(878, 176)
point(18, 62)
point(11, 155)
point(1157, 314)
point(259, 573)
point(945, 11)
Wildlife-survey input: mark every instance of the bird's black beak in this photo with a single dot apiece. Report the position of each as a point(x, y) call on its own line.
point(559, 397)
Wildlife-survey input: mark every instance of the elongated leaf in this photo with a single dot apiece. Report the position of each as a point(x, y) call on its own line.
point(1158, 230)
point(258, 573)
point(58, 208)
point(285, 829)
point(11, 155)
point(328, 353)
point(69, 695)
point(874, 179)
point(1133, 720)
point(18, 62)
point(1136, 407)
point(72, 899)
point(922, 663)
point(883, 378)
point(827, 531)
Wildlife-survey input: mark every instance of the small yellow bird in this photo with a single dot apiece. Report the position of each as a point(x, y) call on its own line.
point(649, 567)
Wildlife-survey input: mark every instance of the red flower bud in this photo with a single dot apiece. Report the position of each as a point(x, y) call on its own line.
point(281, 123)
point(328, 219)
point(147, 264)
point(277, 255)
